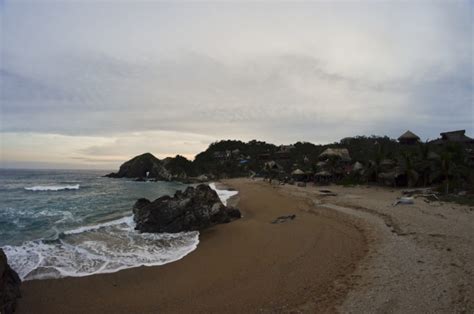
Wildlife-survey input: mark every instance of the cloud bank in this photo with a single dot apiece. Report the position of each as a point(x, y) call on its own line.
point(106, 80)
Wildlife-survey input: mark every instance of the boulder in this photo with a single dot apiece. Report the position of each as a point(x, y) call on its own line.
point(196, 208)
point(9, 286)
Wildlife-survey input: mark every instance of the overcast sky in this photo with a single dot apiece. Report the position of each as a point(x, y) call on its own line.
point(93, 83)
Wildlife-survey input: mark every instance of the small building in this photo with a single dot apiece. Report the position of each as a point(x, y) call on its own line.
point(272, 166)
point(458, 136)
point(340, 153)
point(408, 138)
point(323, 177)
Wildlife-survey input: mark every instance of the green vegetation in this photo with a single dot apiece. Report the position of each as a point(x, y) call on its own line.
point(381, 160)
point(447, 166)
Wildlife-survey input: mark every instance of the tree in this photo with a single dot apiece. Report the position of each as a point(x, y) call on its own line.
point(408, 169)
point(424, 164)
point(374, 166)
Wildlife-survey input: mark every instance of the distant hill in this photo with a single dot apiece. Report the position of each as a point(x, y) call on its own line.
point(367, 159)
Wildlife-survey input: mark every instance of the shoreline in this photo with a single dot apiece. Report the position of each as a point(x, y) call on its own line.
point(250, 265)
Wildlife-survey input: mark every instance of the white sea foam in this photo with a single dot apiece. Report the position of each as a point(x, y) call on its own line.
point(102, 248)
point(128, 220)
point(224, 195)
point(40, 188)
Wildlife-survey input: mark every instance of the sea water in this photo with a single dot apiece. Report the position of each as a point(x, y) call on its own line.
point(77, 223)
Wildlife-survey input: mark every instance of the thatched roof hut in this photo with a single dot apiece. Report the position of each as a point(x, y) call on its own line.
point(342, 153)
point(409, 138)
point(323, 174)
point(297, 172)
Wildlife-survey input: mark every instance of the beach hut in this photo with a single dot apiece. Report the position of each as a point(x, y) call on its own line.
point(323, 177)
point(339, 153)
point(408, 138)
point(298, 175)
point(272, 166)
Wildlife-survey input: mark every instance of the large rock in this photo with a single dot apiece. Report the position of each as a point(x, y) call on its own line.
point(9, 286)
point(194, 209)
point(142, 166)
point(147, 166)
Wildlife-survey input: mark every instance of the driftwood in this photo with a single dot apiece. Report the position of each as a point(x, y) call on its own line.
point(327, 193)
point(427, 193)
point(283, 219)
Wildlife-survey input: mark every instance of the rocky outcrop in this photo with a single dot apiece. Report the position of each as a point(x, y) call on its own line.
point(9, 286)
point(148, 167)
point(194, 209)
point(142, 166)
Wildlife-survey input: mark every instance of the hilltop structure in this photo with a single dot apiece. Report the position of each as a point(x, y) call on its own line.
point(408, 138)
point(458, 136)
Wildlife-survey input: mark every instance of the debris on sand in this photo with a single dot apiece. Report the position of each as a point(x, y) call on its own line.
point(404, 200)
point(283, 219)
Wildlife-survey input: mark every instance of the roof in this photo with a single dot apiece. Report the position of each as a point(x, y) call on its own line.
point(408, 135)
point(298, 172)
point(323, 174)
point(272, 165)
point(342, 153)
point(456, 136)
point(458, 132)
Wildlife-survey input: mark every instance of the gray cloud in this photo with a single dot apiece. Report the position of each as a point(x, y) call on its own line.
point(274, 71)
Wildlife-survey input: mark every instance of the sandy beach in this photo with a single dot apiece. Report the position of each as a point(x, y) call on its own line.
point(249, 265)
point(420, 256)
point(351, 251)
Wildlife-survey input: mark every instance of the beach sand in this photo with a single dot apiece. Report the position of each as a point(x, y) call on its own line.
point(420, 257)
point(249, 265)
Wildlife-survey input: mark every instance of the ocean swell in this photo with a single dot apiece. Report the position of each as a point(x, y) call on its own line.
point(41, 188)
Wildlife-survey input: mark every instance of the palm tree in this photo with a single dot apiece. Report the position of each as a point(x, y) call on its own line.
point(424, 163)
point(446, 168)
point(450, 166)
point(408, 169)
point(374, 165)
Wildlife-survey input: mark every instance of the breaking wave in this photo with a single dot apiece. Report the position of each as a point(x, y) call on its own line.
point(39, 188)
point(101, 248)
point(224, 195)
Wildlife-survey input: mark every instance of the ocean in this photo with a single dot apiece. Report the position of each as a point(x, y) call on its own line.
point(60, 223)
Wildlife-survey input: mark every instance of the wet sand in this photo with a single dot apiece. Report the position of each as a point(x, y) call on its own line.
point(249, 265)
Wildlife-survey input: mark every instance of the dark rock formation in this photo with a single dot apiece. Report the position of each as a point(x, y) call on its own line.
point(141, 166)
point(147, 167)
point(194, 209)
point(9, 286)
